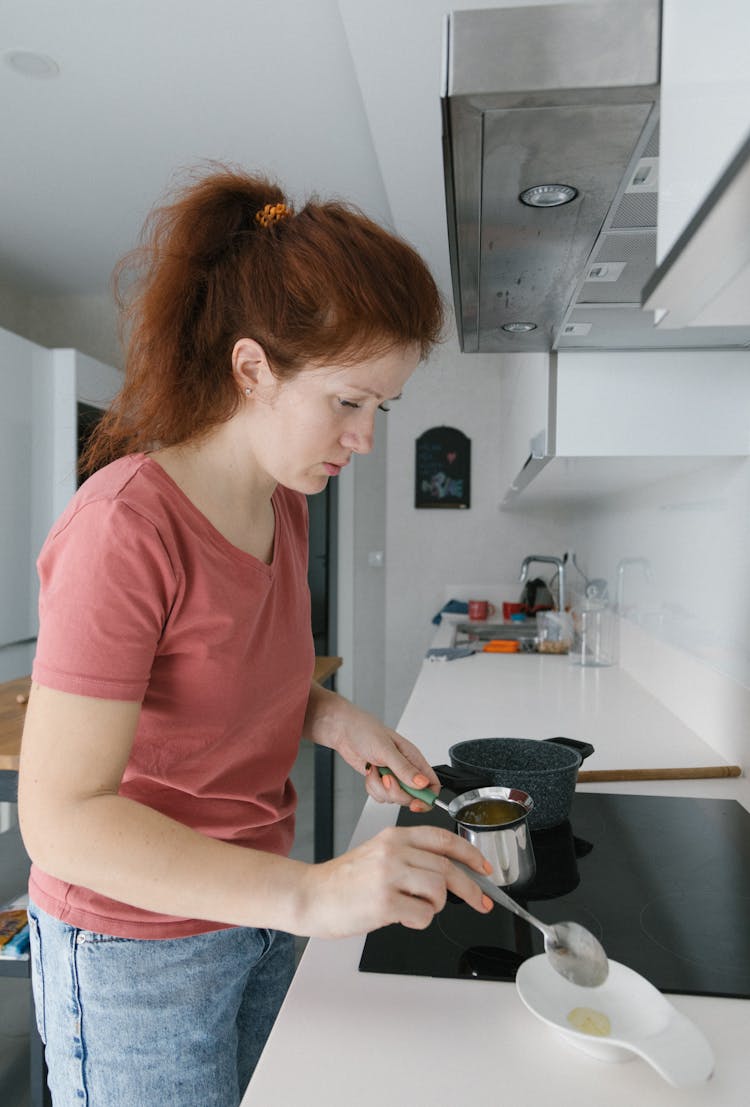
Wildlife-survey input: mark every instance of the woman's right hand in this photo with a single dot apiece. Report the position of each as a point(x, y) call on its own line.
point(402, 875)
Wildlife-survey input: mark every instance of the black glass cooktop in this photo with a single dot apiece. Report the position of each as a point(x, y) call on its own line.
point(664, 883)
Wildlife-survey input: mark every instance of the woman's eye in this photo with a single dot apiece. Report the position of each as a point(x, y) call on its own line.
point(351, 403)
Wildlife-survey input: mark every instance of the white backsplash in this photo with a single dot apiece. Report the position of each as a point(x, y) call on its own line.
point(693, 534)
point(685, 630)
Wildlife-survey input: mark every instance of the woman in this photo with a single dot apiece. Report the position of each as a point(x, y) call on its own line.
point(172, 679)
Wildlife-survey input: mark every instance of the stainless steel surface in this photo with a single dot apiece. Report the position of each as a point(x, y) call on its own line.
point(548, 47)
point(564, 94)
point(508, 848)
point(486, 632)
point(572, 950)
point(558, 561)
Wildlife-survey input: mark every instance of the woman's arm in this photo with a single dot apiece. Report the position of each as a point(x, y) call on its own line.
point(77, 828)
point(365, 743)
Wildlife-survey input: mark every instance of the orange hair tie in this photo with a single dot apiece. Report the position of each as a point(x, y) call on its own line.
point(272, 213)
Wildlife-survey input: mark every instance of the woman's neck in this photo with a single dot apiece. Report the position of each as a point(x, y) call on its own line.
point(228, 488)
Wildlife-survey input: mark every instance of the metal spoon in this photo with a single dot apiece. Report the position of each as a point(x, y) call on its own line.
point(573, 951)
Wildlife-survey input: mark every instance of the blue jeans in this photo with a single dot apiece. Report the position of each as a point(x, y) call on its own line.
point(178, 1022)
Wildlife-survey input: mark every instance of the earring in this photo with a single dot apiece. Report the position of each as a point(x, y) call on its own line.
point(248, 391)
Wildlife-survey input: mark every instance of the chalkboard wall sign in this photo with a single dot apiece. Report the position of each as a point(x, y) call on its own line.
point(443, 468)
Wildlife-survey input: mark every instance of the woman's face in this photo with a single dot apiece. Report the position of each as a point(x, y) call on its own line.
point(304, 430)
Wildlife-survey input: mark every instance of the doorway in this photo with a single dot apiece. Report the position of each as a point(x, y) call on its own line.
point(313, 771)
point(321, 573)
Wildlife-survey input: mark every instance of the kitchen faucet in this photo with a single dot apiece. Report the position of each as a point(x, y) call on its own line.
point(559, 562)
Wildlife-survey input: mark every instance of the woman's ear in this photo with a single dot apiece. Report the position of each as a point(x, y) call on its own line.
point(249, 365)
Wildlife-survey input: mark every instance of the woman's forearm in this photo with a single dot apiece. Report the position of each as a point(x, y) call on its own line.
point(364, 741)
point(323, 716)
point(78, 828)
point(131, 853)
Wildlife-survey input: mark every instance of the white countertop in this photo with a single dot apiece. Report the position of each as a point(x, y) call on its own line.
point(346, 1037)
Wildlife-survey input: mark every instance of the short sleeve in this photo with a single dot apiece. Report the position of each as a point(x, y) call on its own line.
point(106, 588)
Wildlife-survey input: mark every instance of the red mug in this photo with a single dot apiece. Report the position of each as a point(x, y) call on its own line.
point(480, 609)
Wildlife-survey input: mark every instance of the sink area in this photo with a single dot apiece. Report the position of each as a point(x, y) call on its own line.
point(485, 632)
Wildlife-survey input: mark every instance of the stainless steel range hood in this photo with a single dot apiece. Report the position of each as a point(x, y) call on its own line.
point(556, 94)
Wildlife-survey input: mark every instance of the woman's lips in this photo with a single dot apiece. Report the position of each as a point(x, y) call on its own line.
point(333, 470)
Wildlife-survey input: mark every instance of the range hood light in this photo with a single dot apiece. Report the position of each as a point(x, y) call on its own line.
point(548, 195)
point(519, 328)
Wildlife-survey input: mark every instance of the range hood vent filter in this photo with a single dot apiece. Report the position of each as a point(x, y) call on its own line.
point(550, 94)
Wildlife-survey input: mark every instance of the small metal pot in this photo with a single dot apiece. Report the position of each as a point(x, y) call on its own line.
point(482, 817)
point(507, 844)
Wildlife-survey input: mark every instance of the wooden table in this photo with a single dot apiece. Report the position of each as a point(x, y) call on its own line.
point(325, 667)
point(12, 715)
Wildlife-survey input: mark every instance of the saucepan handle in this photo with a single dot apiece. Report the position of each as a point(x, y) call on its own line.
point(423, 794)
point(460, 780)
point(585, 749)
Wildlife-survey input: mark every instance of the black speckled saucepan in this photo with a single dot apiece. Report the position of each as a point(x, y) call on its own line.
point(547, 770)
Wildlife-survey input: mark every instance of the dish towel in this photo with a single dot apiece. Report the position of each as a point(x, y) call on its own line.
point(453, 607)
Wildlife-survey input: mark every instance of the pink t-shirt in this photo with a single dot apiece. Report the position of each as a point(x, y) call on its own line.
point(142, 599)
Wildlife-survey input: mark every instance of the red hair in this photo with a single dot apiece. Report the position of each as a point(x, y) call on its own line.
point(323, 286)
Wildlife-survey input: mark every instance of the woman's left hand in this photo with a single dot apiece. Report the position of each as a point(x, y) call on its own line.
point(366, 743)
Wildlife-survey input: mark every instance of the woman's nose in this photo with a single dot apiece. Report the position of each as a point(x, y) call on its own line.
point(360, 437)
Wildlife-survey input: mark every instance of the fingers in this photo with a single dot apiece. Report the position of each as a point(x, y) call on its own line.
point(429, 874)
point(375, 785)
point(384, 788)
point(402, 875)
point(409, 765)
point(432, 876)
point(449, 846)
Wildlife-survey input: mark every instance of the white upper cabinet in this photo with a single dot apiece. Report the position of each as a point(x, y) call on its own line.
point(703, 234)
point(620, 419)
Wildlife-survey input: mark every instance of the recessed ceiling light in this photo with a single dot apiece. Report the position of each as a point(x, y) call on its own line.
point(548, 195)
point(31, 64)
point(519, 328)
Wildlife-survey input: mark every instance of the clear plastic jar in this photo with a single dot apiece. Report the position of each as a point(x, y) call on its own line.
point(594, 634)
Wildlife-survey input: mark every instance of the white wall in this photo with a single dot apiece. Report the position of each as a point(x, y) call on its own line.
point(38, 456)
point(20, 363)
point(428, 548)
point(86, 322)
point(687, 631)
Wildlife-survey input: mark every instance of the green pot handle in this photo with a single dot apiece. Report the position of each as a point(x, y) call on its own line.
point(423, 794)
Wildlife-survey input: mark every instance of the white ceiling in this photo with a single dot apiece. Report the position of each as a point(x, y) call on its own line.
point(334, 98)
